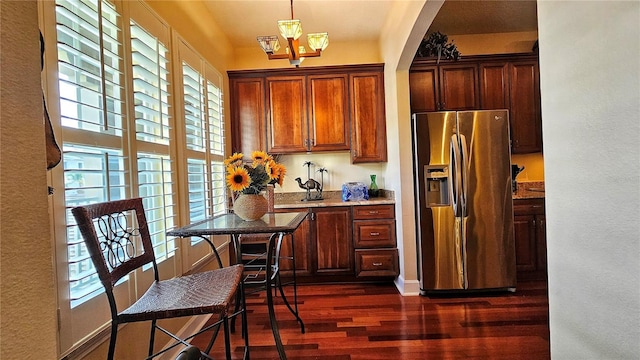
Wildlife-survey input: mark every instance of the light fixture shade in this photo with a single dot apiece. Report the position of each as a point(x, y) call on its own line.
point(318, 41)
point(290, 29)
point(301, 52)
point(269, 43)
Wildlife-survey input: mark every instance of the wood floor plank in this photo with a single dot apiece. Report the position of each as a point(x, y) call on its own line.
point(373, 321)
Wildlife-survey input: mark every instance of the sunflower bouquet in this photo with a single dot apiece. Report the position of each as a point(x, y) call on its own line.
point(253, 178)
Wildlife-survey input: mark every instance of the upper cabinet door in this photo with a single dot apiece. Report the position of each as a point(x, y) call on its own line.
point(459, 87)
point(369, 137)
point(423, 87)
point(248, 115)
point(328, 112)
point(287, 114)
point(494, 86)
point(526, 122)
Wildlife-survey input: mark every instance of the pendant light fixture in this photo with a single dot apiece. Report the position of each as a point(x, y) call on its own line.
point(291, 30)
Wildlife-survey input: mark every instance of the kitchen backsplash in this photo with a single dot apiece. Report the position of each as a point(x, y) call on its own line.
point(339, 170)
point(533, 166)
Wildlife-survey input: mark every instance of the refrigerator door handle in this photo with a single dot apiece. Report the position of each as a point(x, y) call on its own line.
point(464, 179)
point(454, 174)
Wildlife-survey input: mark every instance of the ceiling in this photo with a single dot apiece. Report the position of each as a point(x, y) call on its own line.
point(362, 20)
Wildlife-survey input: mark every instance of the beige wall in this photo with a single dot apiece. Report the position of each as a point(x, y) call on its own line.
point(28, 295)
point(589, 75)
point(496, 43)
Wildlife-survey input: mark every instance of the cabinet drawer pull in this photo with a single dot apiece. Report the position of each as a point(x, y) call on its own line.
point(536, 206)
point(374, 233)
point(373, 212)
point(377, 264)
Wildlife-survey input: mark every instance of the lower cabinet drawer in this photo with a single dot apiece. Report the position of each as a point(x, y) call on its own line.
point(378, 262)
point(377, 233)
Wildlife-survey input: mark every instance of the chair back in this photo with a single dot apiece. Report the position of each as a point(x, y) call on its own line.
point(112, 232)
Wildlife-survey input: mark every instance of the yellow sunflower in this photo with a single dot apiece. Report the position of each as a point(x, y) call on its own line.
point(271, 167)
point(280, 171)
point(235, 159)
point(260, 157)
point(238, 178)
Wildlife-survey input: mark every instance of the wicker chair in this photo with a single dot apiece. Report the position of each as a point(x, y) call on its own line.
point(112, 232)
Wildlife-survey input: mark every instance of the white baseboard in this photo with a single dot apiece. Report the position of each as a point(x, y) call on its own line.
point(407, 287)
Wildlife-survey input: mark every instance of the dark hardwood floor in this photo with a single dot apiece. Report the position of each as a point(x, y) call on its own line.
point(373, 321)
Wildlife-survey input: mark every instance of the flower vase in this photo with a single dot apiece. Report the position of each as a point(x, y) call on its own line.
point(250, 207)
point(373, 188)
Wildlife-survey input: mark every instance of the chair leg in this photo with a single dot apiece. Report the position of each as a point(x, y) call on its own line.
point(227, 336)
point(236, 307)
point(112, 341)
point(214, 336)
point(245, 329)
point(152, 336)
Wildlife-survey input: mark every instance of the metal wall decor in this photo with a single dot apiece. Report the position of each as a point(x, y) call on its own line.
point(312, 184)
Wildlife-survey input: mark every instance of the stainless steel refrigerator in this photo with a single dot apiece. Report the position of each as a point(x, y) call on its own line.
point(464, 207)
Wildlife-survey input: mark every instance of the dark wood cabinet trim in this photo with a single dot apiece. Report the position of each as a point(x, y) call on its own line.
point(303, 71)
point(419, 61)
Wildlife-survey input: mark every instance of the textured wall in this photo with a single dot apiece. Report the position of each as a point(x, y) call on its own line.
point(590, 71)
point(28, 298)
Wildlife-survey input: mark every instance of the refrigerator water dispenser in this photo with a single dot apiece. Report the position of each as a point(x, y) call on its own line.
point(437, 185)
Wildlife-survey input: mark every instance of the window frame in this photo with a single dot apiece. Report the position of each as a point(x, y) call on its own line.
point(75, 335)
point(199, 252)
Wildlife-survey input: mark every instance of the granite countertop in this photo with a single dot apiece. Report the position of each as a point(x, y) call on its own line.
point(530, 190)
point(293, 200)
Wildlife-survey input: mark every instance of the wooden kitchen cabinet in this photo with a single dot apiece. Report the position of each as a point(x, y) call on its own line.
point(514, 85)
point(343, 244)
point(524, 106)
point(374, 238)
point(323, 245)
point(444, 87)
point(508, 81)
point(331, 229)
point(287, 120)
point(423, 89)
point(459, 87)
point(302, 238)
point(530, 239)
point(333, 108)
point(368, 133)
point(323, 98)
point(248, 125)
point(328, 103)
point(494, 85)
